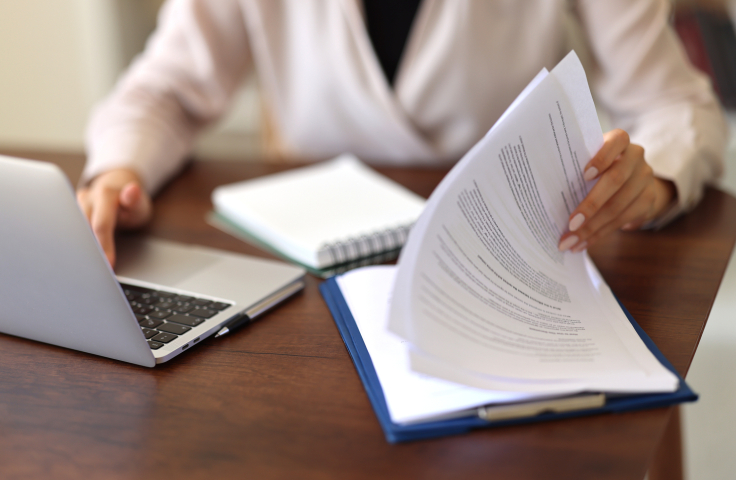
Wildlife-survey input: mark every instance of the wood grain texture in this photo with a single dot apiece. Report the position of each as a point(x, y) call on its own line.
point(281, 399)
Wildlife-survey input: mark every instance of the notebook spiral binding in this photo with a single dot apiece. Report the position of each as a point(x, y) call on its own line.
point(367, 246)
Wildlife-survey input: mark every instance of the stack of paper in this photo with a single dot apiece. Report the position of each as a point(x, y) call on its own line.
point(482, 308)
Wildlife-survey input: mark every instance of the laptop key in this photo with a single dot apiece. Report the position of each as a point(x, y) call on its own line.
point(203, 312)
point(219, 305)
point(164, 337)
point(185, 320)
point(174, 328)
point(183, 298)
point(148, 332)
point(159, 314)
point(165, 294)
point(164, 304)
point(200, 302)
point(183, 308)
point(150, 322)
point(155, 345)
point(142, 310)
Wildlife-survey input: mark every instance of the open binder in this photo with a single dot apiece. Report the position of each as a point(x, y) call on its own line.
point(394, 433)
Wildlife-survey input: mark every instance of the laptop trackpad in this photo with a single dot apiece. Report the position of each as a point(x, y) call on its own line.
point(159, 262)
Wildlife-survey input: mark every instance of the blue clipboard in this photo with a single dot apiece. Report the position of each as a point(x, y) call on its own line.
point(395, 433)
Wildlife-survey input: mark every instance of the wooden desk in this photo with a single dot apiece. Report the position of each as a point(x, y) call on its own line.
point(281, 399)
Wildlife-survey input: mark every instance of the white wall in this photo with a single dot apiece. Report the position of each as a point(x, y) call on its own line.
point(48, 77)
point(709, 425)
point(59, 57)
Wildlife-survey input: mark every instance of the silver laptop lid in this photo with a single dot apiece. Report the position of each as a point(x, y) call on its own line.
point(55, 283)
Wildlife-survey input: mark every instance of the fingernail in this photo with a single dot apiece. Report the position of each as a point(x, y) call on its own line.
point(568, 242)
point(627, 226)
point(580, 248)
point(590, 174)
point(576, 221)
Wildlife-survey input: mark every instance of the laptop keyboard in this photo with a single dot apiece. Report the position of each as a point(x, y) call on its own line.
point(163, 316)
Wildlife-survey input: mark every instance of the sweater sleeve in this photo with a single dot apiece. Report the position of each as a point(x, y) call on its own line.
point(645, 82)
point(184, 80)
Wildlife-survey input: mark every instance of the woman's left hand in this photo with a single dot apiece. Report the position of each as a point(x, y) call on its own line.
point(626, 196)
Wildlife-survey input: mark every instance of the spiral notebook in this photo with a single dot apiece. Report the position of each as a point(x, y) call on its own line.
point(323, 216)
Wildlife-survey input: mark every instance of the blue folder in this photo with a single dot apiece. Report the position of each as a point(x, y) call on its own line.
point(402, 433)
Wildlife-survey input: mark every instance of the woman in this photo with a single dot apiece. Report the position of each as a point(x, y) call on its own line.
point(332, 86)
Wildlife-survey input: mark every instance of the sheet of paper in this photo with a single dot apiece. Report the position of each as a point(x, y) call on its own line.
point(410, 396)
point(482, 294)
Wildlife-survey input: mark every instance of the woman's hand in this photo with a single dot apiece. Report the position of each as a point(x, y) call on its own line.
point(114, 199)
point(626, 196)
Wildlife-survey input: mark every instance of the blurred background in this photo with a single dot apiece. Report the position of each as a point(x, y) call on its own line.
point(61, 57)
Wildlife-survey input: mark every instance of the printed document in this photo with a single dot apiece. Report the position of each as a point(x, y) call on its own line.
point(482, 296)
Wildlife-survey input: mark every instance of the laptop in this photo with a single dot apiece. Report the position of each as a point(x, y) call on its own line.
point(56, 286)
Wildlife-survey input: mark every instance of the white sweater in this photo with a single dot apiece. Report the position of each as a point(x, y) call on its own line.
point(463, 64)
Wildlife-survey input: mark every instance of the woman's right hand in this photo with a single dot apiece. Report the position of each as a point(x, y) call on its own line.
point(114, 199)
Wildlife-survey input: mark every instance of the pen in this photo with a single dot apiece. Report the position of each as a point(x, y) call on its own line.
point(269, 302)
point(237, 322)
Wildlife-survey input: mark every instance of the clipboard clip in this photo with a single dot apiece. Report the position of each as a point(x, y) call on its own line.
point(494, 413)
